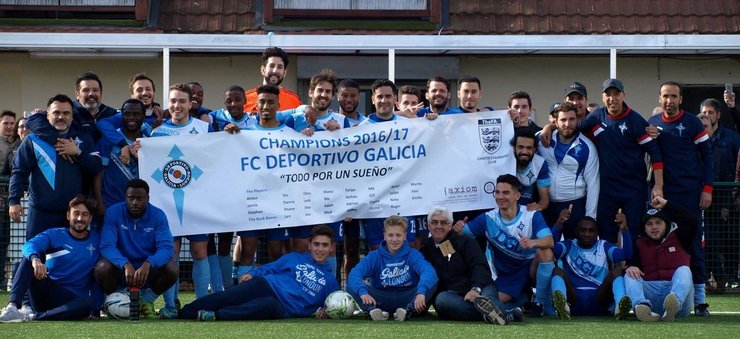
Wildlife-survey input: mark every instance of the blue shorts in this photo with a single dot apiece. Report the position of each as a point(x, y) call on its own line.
point(374, 228)
point(587, 303)
point(269, 234)
point(193, 237)
point(513, 283)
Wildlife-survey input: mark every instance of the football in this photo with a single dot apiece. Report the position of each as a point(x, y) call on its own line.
point(339, 305)
point(116, 305)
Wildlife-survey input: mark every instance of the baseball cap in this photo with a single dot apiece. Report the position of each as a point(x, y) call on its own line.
point(576, 87)
point(609, 83)
point(655, 213)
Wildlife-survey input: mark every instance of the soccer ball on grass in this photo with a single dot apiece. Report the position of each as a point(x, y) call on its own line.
point(339, 305)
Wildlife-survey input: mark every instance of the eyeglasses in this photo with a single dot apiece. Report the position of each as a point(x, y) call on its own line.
point(439, 222)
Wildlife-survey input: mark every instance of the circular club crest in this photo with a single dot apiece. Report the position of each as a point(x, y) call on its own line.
point(177, 174)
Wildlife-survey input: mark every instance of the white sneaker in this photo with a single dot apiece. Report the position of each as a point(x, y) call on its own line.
point(10, 314)
point(645, 313)
point(671, 306)
point(400, 314)
point(26, 310)
point(377, 314)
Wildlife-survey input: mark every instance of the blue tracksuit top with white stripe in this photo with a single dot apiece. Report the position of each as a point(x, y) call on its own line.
point(622, 142)
point(688, 161)
point(125, 239)
point(406, 268)
point(54, 180)
point(69, 261)
point(300, 283)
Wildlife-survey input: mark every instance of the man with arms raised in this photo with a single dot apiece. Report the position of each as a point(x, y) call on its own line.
point(520, 245)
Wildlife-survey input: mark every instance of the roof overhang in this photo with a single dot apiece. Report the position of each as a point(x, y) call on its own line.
point(117, 45)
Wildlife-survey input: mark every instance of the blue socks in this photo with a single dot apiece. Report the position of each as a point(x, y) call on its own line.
point(224, 261)
point(148, 296)
point(544, 274)
point(558, 284)
point(169, 295)
point(201, 277)
point(618, 289)
point(214, 266)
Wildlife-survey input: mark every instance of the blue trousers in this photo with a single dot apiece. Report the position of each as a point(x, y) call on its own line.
point(690, 201)
point(390, 299)
point(655, 291)
point(633, 206)
point(552, 213)
point(39, 221)
point(50, 300)
point(451, 305)
point(250, 300)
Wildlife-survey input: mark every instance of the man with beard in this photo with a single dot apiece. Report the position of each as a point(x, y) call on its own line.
point(469, 94)
point(438, 95)
point(348, 96)
point(56, 170)
point(61, 285)
point(622, 140)
point(321, 92)
point(576, 94)
point(532, 172)
point(88, 107)
point(574, 171)
point(110, 183)
point(274, 68)
point(688, 172)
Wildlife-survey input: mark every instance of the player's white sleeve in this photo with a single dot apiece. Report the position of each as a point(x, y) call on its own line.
point(591, 175)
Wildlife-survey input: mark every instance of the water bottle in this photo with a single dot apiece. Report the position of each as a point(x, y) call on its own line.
point(134, 293)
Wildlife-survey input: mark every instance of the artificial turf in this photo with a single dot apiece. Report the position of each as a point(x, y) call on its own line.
point(724, 323)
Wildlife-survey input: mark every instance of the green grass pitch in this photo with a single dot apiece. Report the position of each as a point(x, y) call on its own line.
point(724, 323)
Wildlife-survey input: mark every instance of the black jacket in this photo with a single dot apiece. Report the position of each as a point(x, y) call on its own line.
point(467, 267)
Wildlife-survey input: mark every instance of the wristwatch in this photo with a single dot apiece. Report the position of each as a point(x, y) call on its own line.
point(477, 289)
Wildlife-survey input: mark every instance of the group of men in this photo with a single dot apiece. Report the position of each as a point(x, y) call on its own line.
point(583, 178)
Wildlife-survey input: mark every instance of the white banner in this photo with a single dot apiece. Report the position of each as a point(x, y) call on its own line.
point(256, 179)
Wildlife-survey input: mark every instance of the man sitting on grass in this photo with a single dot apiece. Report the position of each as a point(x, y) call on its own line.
point(295, 285)
point(585, 278)
point(659, 271)
point(401, 281)
point(57, 268)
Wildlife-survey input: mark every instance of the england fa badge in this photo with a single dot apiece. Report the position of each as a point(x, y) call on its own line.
point(489, 134)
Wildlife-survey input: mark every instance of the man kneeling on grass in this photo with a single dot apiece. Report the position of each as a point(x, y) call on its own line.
point(295, 285)
point(659, 271)
point(400, 280)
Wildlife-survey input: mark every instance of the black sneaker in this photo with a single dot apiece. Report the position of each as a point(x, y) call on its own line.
point(701, 310)
point(491, 313)
point(537, 311)
point(514, 315)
